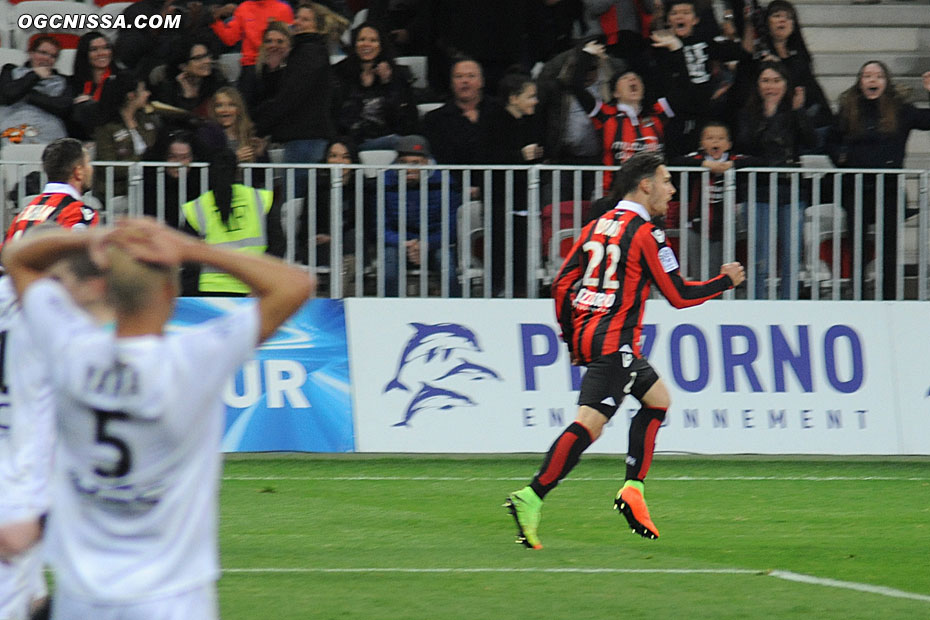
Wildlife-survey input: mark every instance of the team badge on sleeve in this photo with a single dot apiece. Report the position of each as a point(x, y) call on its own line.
point(668, 260)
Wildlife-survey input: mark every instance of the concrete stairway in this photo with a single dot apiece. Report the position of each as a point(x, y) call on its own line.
point(842, 36)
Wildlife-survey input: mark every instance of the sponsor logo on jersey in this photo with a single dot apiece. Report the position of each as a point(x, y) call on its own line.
point(594, 301)
point(668, 260)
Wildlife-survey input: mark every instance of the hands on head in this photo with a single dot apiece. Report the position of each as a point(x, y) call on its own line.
point(144, 239)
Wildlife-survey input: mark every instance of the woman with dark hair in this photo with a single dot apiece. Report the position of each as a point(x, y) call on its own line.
point(235, 216)
point(774, 127)
point(191, 79)
point(873, 125)
point(514, 137)
point(264, 83)
point(93, 65)
point(341, 150)
point(127, 132)
point(781, 40)
point(375, 101)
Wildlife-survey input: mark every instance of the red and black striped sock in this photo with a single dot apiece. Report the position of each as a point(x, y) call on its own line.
point(642, 443)
point(561, 458)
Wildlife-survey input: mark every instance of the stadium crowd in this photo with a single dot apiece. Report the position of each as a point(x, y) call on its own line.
point(612, 77)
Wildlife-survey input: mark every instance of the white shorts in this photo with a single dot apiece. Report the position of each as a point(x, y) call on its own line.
point(21, 582)
point(199, 603)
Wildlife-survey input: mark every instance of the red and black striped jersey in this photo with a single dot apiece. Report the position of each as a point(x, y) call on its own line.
point(58, 207)
point(624, 133)
point(601, 288)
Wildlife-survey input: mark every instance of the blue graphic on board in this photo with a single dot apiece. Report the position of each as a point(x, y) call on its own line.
point(294, 394)
point(434, 369)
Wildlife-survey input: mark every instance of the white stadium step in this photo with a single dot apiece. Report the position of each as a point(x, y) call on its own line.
point(909, 14)
point(848, 63)
point(865, 39)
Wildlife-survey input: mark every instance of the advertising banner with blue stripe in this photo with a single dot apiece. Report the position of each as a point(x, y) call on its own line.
point(294, 394)
point(744, 377)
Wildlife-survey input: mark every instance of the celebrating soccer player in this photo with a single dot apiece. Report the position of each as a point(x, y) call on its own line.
point(600, 293)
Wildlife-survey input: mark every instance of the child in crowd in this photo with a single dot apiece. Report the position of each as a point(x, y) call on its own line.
point(715, 154)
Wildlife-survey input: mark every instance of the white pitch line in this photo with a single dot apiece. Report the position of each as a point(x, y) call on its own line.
point(674, 571)
point(581, 479)
point(778, 574)
point(848, 585)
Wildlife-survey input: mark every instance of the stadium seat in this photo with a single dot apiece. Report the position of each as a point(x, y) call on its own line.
point(470, 227)
point(66, 40)
point(563, 230)
point(425, 108)
point(359, 18)
point(384, 157)
point(30, 156)
point(112, 8)
point(12, 56)
point(417, 66)
point(65, 63)
point(230, 65)
point(6, 12)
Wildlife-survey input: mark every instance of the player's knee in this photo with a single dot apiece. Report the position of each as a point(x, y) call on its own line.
point(657, 397)
point(592, 420)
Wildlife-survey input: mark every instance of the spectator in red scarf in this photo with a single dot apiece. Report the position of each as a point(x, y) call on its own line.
point(93, 64)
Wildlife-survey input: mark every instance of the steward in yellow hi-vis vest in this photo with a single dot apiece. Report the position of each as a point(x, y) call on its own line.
point(244, 230)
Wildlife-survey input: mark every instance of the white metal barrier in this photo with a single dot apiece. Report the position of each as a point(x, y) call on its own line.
point(503, 231)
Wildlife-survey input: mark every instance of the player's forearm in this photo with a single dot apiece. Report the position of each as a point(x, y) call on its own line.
point(26, 259)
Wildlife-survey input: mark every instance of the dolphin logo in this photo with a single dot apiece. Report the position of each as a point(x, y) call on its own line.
point(437, 341)
point(471, 371)
point(432, 397)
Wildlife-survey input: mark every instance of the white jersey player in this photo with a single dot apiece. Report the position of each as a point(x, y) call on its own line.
point(133, 527)
point(27, 419)
point(25, 464)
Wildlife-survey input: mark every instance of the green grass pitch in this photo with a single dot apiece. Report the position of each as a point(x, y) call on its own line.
point(421, 537)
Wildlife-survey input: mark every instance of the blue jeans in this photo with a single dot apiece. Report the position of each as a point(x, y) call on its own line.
point(303, 152)
point(783, 237)
point(392, 265)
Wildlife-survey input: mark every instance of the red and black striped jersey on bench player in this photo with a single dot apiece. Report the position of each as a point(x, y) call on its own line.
point(58, 207)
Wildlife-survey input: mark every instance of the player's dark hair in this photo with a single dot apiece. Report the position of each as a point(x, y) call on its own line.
point(720, 124)
point(39, 39)
point(642, 165)
point(223, 166)
point(60, 157)
point(116, 93)
point(670, 3)
point(459, 59)
point(512, 84)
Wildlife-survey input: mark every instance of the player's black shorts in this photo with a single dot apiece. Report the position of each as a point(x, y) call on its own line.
point(611, 377)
